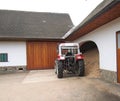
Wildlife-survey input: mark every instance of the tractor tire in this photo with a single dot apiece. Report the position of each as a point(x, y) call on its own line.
point(81, 70)
point(60, 70)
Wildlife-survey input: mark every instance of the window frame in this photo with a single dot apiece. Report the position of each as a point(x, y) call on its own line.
point(3, 57)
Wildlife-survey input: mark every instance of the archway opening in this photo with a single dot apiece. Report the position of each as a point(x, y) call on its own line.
point(91, 58)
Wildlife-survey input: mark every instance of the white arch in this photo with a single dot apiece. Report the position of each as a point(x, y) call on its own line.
point(88, 41)
point(105, 39)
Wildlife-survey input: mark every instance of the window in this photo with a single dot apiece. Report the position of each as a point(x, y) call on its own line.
point(3, 57)
point(72, 49)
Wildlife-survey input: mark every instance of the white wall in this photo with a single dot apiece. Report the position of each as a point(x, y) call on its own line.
point(105, 39)
point(16, 53)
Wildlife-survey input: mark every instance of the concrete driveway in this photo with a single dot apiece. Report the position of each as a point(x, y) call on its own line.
point(43, 85)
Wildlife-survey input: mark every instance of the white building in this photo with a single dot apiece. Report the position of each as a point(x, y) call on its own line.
point(24, 44)
point(102, 27)
point(28, 40)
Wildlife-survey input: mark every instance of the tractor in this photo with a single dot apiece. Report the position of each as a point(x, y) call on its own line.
point(69, 59)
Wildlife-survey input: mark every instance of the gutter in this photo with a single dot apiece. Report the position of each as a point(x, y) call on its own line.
point(68, 33)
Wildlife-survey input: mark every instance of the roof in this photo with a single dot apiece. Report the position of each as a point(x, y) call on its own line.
point(33, 25)
point(105, 12)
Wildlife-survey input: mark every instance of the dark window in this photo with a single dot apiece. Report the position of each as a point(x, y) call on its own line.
point(3, 57)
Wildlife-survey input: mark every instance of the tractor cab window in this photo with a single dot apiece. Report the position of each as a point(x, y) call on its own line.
point(69, 50)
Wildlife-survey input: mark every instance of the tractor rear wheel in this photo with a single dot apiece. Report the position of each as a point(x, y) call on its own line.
point(81, 70)
point(60, 70)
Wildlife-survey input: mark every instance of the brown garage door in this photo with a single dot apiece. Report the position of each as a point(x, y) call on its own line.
point(118, 57)
point(118, 64)
point(41, 55)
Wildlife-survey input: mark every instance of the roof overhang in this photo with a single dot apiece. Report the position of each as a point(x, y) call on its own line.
point(31, 39)
point(107, 11)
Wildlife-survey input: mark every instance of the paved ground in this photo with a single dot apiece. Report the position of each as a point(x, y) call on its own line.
point(44, 86)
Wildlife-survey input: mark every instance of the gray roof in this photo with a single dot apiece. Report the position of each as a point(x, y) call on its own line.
point(36, 25)
point(96, 11)
point(101, 8)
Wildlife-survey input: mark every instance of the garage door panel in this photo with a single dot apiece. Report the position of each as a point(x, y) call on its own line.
point(52, 50)
point(118, 63)
point(30, 54)
point(41, 55)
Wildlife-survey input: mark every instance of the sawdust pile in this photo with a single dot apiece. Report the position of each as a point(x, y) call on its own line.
point(91, 58)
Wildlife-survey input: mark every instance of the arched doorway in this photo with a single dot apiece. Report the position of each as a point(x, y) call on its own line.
point(91, 57)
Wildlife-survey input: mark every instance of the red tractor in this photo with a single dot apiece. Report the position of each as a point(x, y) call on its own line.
point(69, 59)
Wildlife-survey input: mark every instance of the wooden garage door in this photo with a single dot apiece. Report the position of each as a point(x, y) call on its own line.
point(118, 64)
point(41, 55)
point(118, 57)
